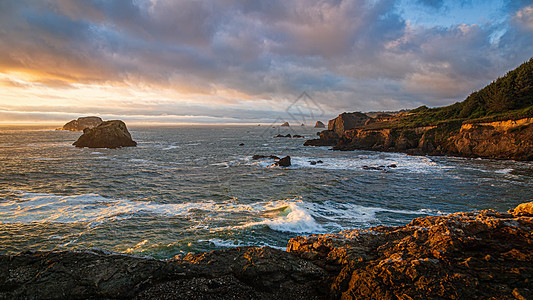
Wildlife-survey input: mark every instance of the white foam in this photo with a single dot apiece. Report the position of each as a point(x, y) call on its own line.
point(403, 162)
point(504, 171)
point(171, 147)
point(291, 215)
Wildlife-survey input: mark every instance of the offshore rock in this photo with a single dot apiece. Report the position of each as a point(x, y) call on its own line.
point(109, 134)
point(467, 255)
point(82, 123)
point(283, 162)
point(319, 124)
point(286, 124)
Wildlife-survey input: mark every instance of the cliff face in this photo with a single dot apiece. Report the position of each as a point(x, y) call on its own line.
point(347, 121)
point(468, 255)
point(500, 140)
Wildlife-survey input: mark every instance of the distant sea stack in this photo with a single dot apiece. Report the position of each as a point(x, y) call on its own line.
point(319, 125)
point(494, 122)
point(286, 124)
point(82, 123)
point(109, 134)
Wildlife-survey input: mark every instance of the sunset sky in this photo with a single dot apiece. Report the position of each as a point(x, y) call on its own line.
point(237, 61)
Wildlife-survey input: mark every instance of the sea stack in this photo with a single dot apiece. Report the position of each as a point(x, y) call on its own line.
point(286, 124)
point(319, 124)
point(82, 123)
point(109, 134)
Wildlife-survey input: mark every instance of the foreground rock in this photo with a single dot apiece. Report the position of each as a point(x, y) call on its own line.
point(82, 123)
point(239, 273)
point(467, 255)
point(109, 134)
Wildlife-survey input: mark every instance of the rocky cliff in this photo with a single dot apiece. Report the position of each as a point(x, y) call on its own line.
point(109, 134)
point(468, 255)
point(82, 123)
point(501, 140)
point(347, 121)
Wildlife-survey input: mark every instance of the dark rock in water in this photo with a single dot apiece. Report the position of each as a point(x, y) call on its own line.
point(286, 124)
point(82, 123)
point(109, 134)
point(314, 162)
point(319, 162)
point(283, 136)
point(393, 166)
point(255, 157)
point(298, 136)
point(302, 125)
point(283, 162)
point(319, 124)
point(288, 135)
point(241, 144)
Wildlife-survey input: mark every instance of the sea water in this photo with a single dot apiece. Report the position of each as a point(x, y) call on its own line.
point(197, 188)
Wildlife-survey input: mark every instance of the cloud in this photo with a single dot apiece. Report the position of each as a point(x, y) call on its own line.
point(227, 58)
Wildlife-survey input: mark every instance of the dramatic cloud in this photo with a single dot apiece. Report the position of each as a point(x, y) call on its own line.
point(246, 61)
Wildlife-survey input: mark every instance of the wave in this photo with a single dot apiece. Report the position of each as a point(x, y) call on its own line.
point(291, 215)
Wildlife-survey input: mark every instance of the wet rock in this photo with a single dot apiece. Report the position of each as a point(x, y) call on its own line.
point(109, 134)
point(298, 136)
point(283, 162)
point(241, 144)
point(82, 123)
point(288, 135)
point(314, 162)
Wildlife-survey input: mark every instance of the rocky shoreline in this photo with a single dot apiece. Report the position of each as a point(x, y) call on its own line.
point(466, 255)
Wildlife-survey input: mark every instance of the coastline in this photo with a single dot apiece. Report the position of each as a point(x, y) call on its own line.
point(483, 254)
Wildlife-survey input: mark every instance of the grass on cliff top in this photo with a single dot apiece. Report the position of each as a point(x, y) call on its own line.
point(508, 98)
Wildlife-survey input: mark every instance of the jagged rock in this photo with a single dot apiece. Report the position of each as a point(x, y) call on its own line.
point(283, 162)
point(109, 134)
point(288, 135)
point(257, 156)
point(524, 209)
point(82, 123)
point(467, 255)
point(314, 162)
point(286, 124)
point(298, 136)
point(239, 273)
point(346, 121)
point(319, 124)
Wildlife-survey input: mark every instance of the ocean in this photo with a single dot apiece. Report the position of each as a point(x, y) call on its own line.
point(196, 188)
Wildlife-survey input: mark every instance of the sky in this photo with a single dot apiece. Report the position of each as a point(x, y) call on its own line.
point(247, 62)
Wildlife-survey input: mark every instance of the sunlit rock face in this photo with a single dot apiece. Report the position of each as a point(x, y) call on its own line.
point(109, 134)
point(467, 255)
point(346, 121)
point(82, 123)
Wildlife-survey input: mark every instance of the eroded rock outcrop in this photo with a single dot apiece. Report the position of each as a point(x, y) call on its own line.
point(82, 123)
point(347, 121)
point(466, 255)
point(109, 134)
